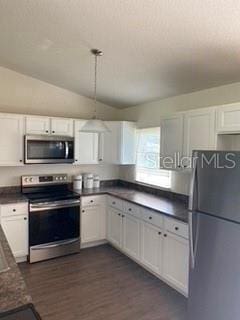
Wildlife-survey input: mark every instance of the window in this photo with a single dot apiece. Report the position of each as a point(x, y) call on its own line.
point(148, 156)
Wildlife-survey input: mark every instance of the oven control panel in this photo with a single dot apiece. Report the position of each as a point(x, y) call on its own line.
point(44, 179)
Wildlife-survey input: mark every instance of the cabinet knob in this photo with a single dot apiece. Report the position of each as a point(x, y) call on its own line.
point(113, 202)
point(129, 209)
point(159, 232)
point(14, 210)
point(83, 211)
point(100, 159)
point(25, 218)
point(176, 228)
point(20, 160)
point(119, 214)
point(165, 235)
point(76, 160)
point(46, 131)
point(91, 201)
point(150, 218)
point(53, 131)
point(123, 216)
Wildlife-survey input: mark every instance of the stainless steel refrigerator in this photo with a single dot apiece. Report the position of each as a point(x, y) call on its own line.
point(214, 220)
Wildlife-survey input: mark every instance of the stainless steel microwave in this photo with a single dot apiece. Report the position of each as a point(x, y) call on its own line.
point(48, 149)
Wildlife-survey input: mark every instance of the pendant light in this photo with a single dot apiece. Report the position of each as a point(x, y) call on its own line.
point(95, 125)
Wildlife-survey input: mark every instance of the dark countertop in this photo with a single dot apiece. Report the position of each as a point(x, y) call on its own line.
point(12, 198)
point(174, 208)
point(13, 291)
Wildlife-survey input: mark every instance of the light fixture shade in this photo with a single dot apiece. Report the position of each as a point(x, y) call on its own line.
point(95, 126)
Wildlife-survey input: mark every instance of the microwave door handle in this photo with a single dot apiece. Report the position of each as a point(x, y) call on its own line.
point(66, 149)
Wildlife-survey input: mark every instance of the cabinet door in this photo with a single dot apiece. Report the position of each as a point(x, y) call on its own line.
point(62, 127)
point(175, 261)
point(16, 231)
point(91, 224)
point(114, 227)
point(11, 140)
point(152, 244)
point(199, 131)
point(37, 125)
point(228, 118)
point(131, 236)
point(171, 141)
point(86, 145)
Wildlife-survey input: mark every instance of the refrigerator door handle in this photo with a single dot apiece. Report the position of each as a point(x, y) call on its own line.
point(191, 244)
point(193, 185)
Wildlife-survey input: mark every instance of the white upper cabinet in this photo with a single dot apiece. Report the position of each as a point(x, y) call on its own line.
point(199, 131)
point(37, 125)
point(171, 141)
point(86, 145)
point(119, 146)
point(11, 139)
point(228, 119)
point(62, 127)
point(46, 125)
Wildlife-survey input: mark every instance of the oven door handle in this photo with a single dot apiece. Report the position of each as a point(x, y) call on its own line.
point(54, 244)
point(53, 206)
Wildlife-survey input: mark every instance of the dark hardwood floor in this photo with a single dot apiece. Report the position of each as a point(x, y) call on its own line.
point(100, 284)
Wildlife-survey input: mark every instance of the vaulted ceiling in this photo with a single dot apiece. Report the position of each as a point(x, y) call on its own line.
point(153, 49)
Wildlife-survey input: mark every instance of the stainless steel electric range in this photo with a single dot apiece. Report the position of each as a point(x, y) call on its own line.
point(54, 216)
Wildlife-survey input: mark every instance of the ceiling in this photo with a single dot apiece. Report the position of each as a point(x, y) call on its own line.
point(153, 49)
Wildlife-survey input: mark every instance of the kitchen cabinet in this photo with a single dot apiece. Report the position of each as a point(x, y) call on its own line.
point(119, 146)
point(16, 232)
point(62, 127)
point(37, 125)
point(86, 145)
point(11, 139)
point(228, 118)
point(131, 236)
point(171, 141)
point(93, 219)
point(152, 247)
point(46, 125)
point(199, 132)
point(175, 261)
point(115, 225)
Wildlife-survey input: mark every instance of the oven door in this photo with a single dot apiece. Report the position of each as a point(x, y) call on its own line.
point(54, 222)
point(42, 149)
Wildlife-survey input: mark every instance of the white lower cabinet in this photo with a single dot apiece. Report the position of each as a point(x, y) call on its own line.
point(164, 253)
point(152, 246)
point(175, 261)
point(131, 236)
point(16, 231)
point(114, 233)
point(93, 220)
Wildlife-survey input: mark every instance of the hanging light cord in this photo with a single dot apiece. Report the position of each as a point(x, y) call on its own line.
point(95, 88)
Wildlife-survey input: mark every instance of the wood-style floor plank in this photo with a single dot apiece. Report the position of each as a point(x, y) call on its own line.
point(100, 284)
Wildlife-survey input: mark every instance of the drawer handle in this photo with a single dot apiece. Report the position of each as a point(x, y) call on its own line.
point(176, 228)
point(14, 210)
point(150, 218)
point(130, 209)
point(159, 232)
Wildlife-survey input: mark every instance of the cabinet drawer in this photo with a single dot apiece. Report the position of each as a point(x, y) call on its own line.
point(176, 227)
point(132, 209)
point(152, 217)
point(91, 200)
point(14, 209)
point(115, 203)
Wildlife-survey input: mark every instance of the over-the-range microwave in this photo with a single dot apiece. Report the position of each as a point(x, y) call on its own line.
point(48, 149)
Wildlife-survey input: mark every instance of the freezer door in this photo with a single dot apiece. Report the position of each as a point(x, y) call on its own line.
point(216, 184)
point(214, 282)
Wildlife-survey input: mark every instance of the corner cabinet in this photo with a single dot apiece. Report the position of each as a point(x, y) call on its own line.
point(228, 118)
point(86, 145)
point(11, 139)
point(119, 145)
point(171, 141)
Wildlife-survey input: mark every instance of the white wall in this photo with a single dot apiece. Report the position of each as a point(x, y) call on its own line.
point(149, 115)
point(23, 94)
